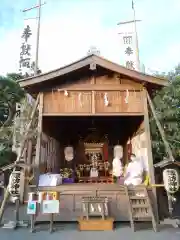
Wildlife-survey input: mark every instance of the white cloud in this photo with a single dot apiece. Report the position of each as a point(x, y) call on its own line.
point(166, 60)
point(9, 51)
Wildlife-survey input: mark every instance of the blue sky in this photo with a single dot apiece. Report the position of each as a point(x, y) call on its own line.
point(70, 27)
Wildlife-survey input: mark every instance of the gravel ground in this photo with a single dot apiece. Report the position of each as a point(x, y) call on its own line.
point(68, 231)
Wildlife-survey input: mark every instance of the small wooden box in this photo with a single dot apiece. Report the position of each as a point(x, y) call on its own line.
point(95, 224)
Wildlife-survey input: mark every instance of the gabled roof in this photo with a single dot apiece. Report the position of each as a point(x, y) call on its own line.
point(86, 61)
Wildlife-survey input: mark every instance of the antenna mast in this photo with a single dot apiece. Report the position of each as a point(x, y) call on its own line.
point(136, 36)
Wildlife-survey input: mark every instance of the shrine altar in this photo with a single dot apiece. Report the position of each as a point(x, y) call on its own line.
point(71, 196)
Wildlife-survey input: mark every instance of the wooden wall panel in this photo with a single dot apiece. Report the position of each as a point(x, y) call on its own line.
point(134, 84)
point(108, 80)
point(49, 157)
point(117, 102)
point(76, 102)
point(114, 82)
point(82, 83)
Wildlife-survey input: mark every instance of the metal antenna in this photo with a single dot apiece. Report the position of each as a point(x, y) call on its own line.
point(136, 37)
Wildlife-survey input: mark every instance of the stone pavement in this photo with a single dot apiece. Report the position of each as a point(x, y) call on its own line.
point(69, 231)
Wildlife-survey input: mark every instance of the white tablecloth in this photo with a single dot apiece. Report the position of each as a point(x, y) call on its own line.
point(50, 180)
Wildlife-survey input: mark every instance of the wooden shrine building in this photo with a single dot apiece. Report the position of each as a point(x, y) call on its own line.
point(92, 104)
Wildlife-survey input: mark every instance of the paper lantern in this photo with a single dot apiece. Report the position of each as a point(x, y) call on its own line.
point(69, 153)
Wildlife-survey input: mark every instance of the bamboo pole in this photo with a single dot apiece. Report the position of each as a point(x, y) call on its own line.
point(28, 128)
point(166, 144)
point(136, 37)
point(6, 195)
point(149, 152)
point(148, 138)
point(39, 136)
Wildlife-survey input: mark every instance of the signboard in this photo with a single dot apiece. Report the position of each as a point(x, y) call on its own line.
point(32, 207)
point(50, 206)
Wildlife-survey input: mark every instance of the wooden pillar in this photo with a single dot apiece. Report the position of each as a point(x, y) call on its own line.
point(25, 172)
point(29, 153)
point(148, 139)
point(93, 93)
point(125, 154)
point(149, 151)
point(39, 131)
point(23, 149)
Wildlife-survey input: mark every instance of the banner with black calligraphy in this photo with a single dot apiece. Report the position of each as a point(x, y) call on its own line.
point(26, 61)
point(128, 45)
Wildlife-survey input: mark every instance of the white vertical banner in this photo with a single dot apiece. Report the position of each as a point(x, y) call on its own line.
point(27, 48)
point(128, 45)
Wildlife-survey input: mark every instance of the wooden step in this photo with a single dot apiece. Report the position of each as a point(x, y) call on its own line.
point(138, 198)
point(95, 224)
point(140, 206)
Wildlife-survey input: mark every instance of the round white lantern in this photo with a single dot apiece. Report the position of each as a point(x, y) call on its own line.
point(69, 153)
point(118, 151)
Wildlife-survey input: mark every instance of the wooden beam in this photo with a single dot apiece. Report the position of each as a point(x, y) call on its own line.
point(6, 195)
point(99, 87)
point(27, 130)
point(93, 103)
point(29, 153)
point(149, 151)
point(148, 138)
point(96, 114)
point(93, 96)
point(39, 136)
point(92, 66)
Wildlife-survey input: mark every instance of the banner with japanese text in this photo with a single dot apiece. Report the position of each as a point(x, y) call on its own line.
point(128, 45)
point(27, 48)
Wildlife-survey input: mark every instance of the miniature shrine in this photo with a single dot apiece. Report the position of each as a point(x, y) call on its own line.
point(93, 118)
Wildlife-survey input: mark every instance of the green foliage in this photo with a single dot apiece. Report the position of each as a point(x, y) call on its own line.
point(167, 105)
point(10, 95)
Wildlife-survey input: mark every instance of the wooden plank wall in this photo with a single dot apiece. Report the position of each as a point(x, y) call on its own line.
point(49, 157)
point(87, 97)
point(57, 102)
point(119, 102)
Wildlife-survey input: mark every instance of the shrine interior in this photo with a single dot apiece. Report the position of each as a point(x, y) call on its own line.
point(69, 130)
point(88, 136)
